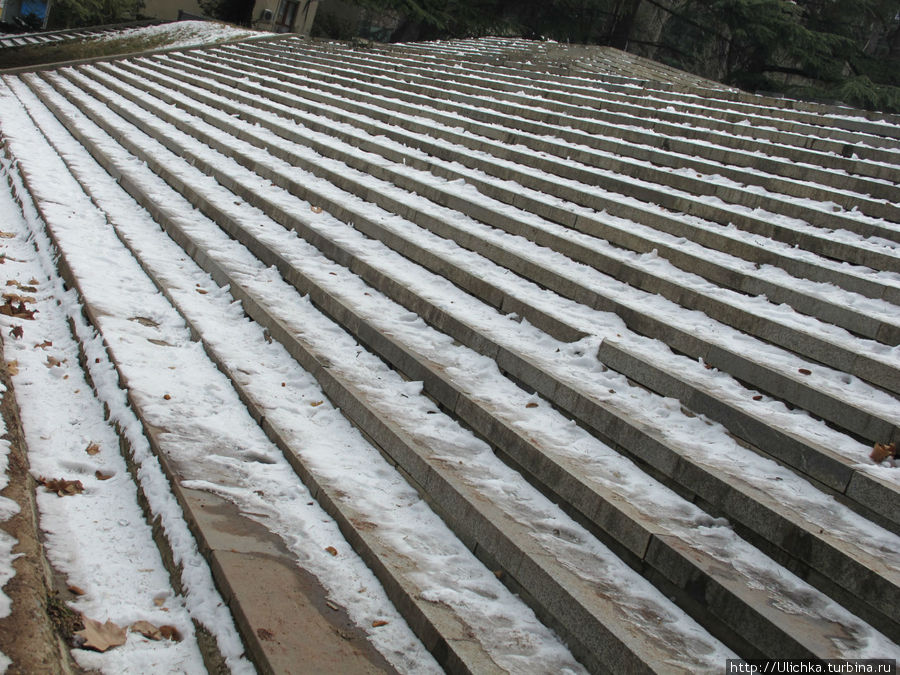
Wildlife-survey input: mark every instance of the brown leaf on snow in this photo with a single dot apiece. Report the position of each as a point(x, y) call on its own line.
point(315, 404)
point(24, 289)
point(75, 590)
point(53, 361)
point(170, 633)
point(17, 332)
point(315, 209)
point(19, 299)
point(804, 371)
point(17, 310)
point(378, 623)
point(12, 367)
point(883, 451)
point(44, 345)
point(532, 404)
point(7, 235)
point(331, 549)
point(99, 475)
point(147, 629)
point(101, 636)
point(92, 449)
point(61, 486)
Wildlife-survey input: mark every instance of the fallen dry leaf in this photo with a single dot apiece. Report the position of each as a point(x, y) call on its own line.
point(379, 622)
point(201, 291)
point(331, 549)
point(147, 629)
point(531, 405)
point(18, 299)
point(75, 590)
point(17, 332)
point(92, 449)
point(53, 361)
point(33, 281)
point(61, 486)
point(101, 636)
point(170, 633)
point(804, 371)
point(144, 321)
point(7, 235)
point(315, 209)
point(12, 367)
point(99, 475)
point(883, 451)
point(44, 345)
point(24, 289)
point(316, 403)
point(18, 310)
point(758, 397)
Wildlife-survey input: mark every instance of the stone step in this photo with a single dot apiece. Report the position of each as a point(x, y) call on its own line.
point(641, 181)
point(832, 556)
point(702, 142)
point(842, 473)
point(885, 330)
point(607, 625)
point(247, 562)
point(403, 73)
point(674, 123)
point(725, 104)
point(876, 255)
point(671, 556)
point(498, 254)
point(625, 236)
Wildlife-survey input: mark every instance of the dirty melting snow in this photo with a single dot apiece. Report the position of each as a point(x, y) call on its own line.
point(180, 34)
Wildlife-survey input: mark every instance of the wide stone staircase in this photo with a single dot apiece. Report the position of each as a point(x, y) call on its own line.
point(631, 335)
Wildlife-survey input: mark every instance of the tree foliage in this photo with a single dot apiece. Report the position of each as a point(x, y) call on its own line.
point(830, 49)
point(238, 12)
point(76, 13)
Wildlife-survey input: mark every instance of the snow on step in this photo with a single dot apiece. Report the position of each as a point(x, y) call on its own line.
point(733, 240)
point(876, 322)
point(62, 419)
point(525, 94)
point(218, 448)
point(148, 123)
point(427, 442)
point(650, 650)
point(360, 217)
point(755, 220)
point(822, 301)
point(166, 135)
